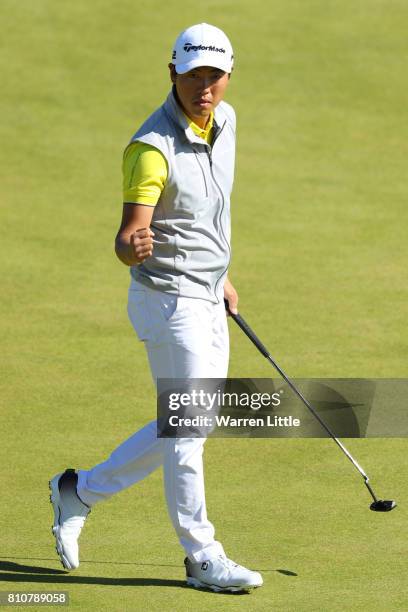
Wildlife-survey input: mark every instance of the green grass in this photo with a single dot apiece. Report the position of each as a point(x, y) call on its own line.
point(320, 251)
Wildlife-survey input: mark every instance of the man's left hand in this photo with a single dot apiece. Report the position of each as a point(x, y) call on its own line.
point(232, 296)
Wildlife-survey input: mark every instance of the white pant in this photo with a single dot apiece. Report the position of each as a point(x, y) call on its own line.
point(184, 338)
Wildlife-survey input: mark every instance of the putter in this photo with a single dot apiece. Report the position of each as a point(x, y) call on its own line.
point(378, 505)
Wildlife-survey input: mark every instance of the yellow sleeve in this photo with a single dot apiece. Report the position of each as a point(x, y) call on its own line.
point(144, 174)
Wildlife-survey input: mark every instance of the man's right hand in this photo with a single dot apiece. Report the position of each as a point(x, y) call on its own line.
point(134, 240)
point(141, 242)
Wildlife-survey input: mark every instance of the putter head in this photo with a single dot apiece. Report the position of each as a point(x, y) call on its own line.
point(383, 505)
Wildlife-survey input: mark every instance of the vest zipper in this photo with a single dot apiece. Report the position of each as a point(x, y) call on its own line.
point(209, 152)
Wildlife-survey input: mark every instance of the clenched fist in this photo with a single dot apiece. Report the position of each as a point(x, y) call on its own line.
point(141, 243)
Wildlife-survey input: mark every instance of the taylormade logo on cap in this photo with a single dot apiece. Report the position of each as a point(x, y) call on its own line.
point(202, 45)
point(189, 47)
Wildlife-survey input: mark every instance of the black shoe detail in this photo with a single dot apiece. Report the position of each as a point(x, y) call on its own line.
point(68, 477)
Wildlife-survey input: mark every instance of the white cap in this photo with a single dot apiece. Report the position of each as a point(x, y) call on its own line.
point(202, 45)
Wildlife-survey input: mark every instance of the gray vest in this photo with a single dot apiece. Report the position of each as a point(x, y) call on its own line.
point(191, 220)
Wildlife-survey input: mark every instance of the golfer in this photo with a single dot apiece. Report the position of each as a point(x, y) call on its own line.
point(175, 235)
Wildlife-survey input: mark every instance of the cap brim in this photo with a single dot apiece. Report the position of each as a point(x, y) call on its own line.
point(203, 61)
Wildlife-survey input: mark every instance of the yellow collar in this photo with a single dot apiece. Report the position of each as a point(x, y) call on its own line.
point(200, 132)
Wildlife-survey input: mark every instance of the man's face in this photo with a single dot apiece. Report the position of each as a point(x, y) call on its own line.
point(200, 90)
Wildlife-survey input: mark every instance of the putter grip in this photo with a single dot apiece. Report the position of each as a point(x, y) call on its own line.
point(248, 331)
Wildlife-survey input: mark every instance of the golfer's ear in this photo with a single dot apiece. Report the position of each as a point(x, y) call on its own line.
point(173, 73)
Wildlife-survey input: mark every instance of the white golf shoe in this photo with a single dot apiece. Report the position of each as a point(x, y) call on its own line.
point(221, 574)
point(69, 517)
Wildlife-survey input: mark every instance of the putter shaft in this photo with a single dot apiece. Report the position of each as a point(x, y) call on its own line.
point(262, 348)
